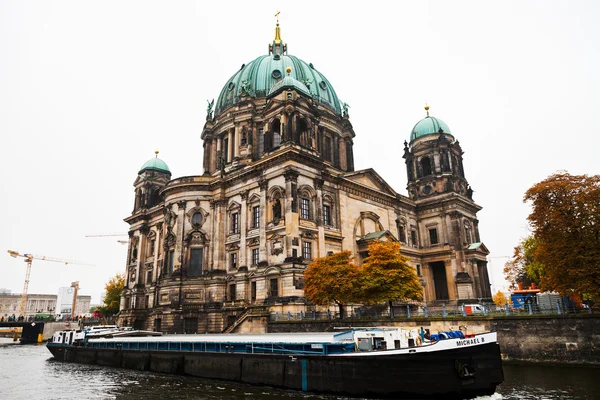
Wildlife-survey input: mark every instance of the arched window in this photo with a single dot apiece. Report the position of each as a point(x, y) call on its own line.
point(276, 130)
point(306, 196)
point(426, 166)
point(329, 215)
point(303, 133)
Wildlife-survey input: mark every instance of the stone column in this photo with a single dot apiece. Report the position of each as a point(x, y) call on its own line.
point(218, 208)
point(179, 246)
point(321, 251)
point(292, 219)
point(230, 146)
point(262, 235)
point(342, 157)
point(243, 228)
point(156, 267)
point(236, 141)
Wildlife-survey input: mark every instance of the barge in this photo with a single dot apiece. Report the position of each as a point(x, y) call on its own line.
point(369, 362)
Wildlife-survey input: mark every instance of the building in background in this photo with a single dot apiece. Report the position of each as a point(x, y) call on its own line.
point(39, 304)
point(64, 303)
point(278, 189)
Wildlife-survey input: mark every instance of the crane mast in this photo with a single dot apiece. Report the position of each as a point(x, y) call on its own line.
point(28, 258)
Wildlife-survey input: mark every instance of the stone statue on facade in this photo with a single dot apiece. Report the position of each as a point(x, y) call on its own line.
point(209, 109)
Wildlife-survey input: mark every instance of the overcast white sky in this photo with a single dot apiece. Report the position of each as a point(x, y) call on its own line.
point(88, 91)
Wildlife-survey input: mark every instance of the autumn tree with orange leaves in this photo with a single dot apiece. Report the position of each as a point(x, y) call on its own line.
point(565, 222)
point(332, 279)
point(387, 276)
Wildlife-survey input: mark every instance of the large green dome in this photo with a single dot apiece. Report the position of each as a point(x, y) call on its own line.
point(429, 126)
point(259, 76)
point(155, 164)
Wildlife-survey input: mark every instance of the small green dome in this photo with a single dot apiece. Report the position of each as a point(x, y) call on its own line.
point(429, 126)
point(259, 77)
point(155, 164)
point(289, 83)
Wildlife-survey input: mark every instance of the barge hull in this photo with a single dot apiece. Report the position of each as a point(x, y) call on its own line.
point(457, 373)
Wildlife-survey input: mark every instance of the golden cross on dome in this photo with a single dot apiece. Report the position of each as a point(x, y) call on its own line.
point(277, 16)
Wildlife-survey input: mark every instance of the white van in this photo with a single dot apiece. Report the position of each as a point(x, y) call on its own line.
point(473, 309)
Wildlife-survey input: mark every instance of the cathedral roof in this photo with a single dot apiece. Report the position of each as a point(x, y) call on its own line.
point(267, 73)
point(155, 164)
point(429, 126)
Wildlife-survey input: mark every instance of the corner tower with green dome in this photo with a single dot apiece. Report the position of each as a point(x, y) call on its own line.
point(434, 163)
point(222, 250)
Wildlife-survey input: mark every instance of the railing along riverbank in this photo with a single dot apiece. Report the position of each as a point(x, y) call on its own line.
point(432, 310)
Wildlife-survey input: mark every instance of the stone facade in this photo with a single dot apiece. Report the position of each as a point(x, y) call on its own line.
point(279, 189)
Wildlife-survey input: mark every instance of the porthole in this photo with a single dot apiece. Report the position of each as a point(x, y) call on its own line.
point(276, 74)
point(231, 86)
point(276, 57)
point(323, 85)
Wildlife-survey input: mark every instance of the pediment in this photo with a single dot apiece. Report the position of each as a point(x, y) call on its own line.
point(478, 247)
point(370, 179)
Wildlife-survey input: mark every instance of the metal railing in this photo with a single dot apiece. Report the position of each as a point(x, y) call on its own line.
point(434, 310)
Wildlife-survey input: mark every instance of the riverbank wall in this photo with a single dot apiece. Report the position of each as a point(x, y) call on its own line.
point(532, 338)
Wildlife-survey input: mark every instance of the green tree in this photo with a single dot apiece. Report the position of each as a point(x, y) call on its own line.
point(522, 267)
point(332, 279)
point(387, 276)
point(565, 220)
point(112, 298)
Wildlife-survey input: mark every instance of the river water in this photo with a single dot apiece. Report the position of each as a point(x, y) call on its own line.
point(29, 373)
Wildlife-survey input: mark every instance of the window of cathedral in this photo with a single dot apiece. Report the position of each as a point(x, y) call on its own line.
point(235, 222)
point(304, 208)
point(255, 216)
point(232, 292)
point(255, 255)
point(426, 166)
point(253, 291)
point(170, 261)
point(195, 265)
point(303, 133)
point(433, 236)
point(418, 269)
point(272, 138)
point(468, 236)
point(402, 233)
point(225, 150)
point(327, 215)
point(233, 260)
point(328, 153)
point(149, 277)
point(273, 287)
point(307, 250)
point(260, 148)
point(414, 238)
point(151, 247)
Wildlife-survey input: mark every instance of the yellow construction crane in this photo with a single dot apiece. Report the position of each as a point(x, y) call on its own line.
point(28, 258)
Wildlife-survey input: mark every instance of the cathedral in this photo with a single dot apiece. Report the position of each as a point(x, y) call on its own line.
point(220, 251)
